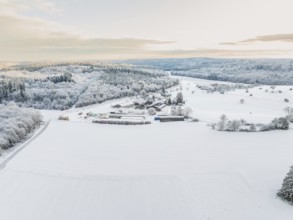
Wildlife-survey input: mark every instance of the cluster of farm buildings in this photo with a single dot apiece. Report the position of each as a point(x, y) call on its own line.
point(134, 112)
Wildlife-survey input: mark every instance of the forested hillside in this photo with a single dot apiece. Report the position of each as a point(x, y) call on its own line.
point(61, 86)
point(16, 123)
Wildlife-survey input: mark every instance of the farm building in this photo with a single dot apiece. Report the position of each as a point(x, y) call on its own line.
point(124, 105)
point(169, 118)
point(115, 116)
point(159, 107)
point(121, 121)
point(121, 116)
point(139, 102)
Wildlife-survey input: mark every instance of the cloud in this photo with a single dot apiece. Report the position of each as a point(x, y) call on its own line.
point(31, 38)
point(12, 8)
point(271, 38)
point(230, 43)
point(222, 53)
point(27, 38)
point(18, 6)
point(47, 6)
point(287, 38)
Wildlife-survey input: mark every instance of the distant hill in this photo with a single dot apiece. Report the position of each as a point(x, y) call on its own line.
point(262, 71)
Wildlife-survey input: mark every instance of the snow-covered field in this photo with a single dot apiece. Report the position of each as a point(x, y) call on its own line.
point(261, 107)
point(163, 171)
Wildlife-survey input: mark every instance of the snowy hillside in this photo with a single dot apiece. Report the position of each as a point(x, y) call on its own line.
point(262, 71)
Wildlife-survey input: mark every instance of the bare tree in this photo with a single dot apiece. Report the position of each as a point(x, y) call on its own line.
point(222, 123)
point(234, 125)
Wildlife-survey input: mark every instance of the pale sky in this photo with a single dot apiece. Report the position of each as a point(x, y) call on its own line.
point(32, 30)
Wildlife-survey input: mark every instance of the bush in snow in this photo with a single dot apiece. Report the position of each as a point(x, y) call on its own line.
point(242, 101)
point(63, 118)
point(280, 124)
point(179, 111)
point(276, 124)
point(174, 110)
point(252, 128)
point(265, 127)
point(16, 123)
point(241, 125)
point(152, 111)
point(233, 125)
point(286, 192)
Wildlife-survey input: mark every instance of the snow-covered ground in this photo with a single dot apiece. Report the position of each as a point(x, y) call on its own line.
point(162, 171)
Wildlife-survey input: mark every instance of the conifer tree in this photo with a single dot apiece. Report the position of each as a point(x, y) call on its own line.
point(286, 192)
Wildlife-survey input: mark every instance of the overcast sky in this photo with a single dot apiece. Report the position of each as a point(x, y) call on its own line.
point(123, 29)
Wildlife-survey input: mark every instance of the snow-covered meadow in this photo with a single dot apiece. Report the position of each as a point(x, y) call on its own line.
point(181, 170)
point(261, 103)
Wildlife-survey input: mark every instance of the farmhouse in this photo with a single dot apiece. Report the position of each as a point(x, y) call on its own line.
point(157, 103)
point(159, 107)
point(139, 102)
